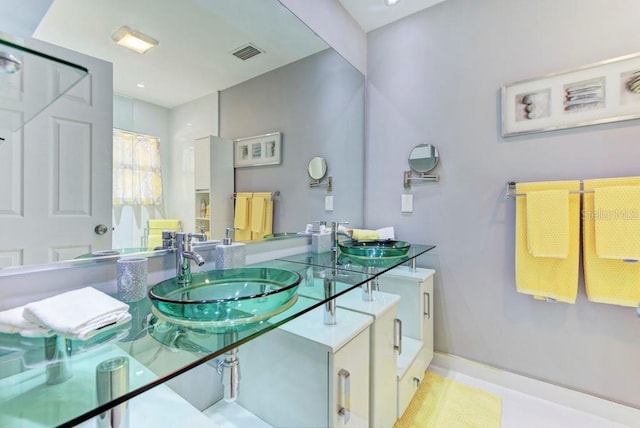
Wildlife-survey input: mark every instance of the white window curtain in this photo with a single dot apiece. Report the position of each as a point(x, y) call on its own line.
point(137, 174)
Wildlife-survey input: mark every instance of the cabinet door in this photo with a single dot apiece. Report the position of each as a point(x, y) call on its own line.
point(202, 167)
point(349, 384)
point(411, 303)
point(384, 355)
point(427, 319)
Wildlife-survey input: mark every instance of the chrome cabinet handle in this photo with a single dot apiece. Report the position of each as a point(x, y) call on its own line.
point(397, 336)
point(427, 305)
point(101, 229)
point(344, 395)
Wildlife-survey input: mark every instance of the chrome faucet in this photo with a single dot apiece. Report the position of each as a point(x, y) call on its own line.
point(335, 233)
point(184, 255)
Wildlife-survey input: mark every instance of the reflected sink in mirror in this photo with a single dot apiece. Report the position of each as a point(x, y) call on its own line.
point(380, 253)
point(284, 235)
point(377, 248)
point(219, 299)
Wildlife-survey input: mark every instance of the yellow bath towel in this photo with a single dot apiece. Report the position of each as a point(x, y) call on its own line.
point(606, 280)
point(261, 215)
point(363, 235)
point(548, 277)
point(241, 217)
point(617, 225)
point(243, 207)
point(548, 223)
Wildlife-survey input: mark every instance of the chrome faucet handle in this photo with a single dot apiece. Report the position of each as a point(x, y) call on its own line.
point(168, 239)
point(337, 224)
point(198, 236)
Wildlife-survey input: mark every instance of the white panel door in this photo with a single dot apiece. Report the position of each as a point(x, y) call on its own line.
point(56, 188)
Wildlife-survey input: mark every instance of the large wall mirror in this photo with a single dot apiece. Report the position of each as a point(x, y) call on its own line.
point(189, 86)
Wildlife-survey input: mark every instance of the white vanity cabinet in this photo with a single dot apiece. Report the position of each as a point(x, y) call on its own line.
point(213, 185)
point(415, 288)
point(308, 374)
point(385, 340)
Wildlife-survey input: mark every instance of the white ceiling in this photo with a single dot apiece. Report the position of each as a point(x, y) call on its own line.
point(196, 38)
point(372, 14)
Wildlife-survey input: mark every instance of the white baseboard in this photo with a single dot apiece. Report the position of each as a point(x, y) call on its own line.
point(566, 397)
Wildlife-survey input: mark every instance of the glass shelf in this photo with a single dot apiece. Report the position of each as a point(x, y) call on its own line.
point(343, 262)
point(25, 364)
point(30, 81)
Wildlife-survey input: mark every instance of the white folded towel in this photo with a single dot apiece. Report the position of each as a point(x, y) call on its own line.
point(78, 314)
point(12, 322)
point(387, 233)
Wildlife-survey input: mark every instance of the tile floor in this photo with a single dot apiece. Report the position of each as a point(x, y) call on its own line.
point(519, 410)
point(525, 411)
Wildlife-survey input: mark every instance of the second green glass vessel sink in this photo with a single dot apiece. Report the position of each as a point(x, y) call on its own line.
point(226, 298)
point(378, 248)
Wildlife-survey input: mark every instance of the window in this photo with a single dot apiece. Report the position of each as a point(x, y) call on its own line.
point(137, 174)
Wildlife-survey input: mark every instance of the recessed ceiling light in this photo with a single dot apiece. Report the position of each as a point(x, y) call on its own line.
point(134, 40)
point(140, 85)
point(390, 2)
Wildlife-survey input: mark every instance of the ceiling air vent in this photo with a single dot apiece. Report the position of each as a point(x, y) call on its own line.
point(247, 51)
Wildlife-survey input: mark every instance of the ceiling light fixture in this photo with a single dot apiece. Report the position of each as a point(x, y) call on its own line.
point(134, 40)
point(391, 2)
point(140, 85)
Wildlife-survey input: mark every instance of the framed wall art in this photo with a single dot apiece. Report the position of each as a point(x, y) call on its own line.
point(608, 91)
point(257, 151)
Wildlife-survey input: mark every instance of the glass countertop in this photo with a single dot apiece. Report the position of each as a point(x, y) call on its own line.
point(29, 82)
point(26, 363)
point(343, 262)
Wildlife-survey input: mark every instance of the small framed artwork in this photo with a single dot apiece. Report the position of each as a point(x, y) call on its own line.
point(257, 151)
point(608, 91)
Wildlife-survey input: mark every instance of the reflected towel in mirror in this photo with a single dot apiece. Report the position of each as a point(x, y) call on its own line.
point(241, 216)
point(261, 215)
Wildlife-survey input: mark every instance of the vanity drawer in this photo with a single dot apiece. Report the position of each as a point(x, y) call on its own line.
point(409, 382)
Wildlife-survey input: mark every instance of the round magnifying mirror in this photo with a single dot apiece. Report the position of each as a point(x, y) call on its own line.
point(317, 168)
point(423, 158)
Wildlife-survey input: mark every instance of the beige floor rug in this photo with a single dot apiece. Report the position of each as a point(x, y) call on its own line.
point(445, 403)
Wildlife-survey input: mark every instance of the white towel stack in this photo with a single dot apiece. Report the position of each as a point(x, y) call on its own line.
point(12, 322)
point(78, 314)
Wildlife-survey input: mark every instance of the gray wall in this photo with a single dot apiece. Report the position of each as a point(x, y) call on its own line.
point(331, 21)
point(318, 105)
point(435, 77)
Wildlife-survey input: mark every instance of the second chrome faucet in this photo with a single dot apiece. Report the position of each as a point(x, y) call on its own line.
point(184, 255)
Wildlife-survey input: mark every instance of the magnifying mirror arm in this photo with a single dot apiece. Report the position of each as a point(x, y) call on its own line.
point(318, 183)
point(422, 177)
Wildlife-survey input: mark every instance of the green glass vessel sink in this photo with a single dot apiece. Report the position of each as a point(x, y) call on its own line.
point(375, 249)
point(220, 299)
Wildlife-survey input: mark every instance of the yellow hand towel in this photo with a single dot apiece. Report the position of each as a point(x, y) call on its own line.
point(157, 226)
point(617, 222)
point(364, 235)
point(242, 235)
point(261, 215)
point(548, 223)
point(243, 207)
point(606, 280)
point(548, 277)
